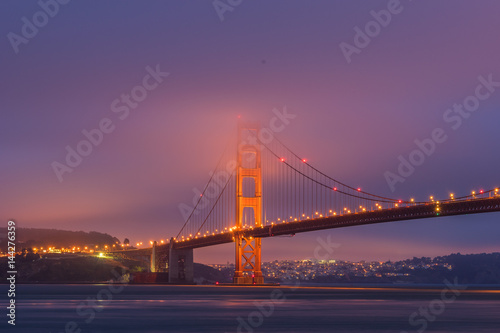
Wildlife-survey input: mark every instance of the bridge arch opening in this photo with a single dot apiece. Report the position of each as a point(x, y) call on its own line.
point(249, 159)
point(248, 217)
point(249, 187)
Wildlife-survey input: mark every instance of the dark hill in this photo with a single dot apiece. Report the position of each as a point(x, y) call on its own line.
point(31, 237)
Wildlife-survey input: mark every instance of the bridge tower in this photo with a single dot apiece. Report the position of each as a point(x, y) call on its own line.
point(248, 167)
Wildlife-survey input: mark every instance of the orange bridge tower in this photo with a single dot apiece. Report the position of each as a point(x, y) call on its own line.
point(248, 204)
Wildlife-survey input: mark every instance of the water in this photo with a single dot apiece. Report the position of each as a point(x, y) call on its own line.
point(147, 308)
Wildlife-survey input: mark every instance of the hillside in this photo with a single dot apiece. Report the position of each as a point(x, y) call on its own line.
point(31, 237)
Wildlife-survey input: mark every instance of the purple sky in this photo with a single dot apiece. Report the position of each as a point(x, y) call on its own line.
point(353, 119)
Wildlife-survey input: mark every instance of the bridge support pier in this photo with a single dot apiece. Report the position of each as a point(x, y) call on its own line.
point(248, 259)
point(180, 265)
point(152, 266)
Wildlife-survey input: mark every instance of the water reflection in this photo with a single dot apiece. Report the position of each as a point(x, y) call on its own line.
point(217, 309)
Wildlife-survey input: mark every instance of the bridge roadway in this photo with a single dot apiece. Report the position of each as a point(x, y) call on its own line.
point(418, 211)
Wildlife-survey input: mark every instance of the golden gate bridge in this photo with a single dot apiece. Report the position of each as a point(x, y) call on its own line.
point(261, 189)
